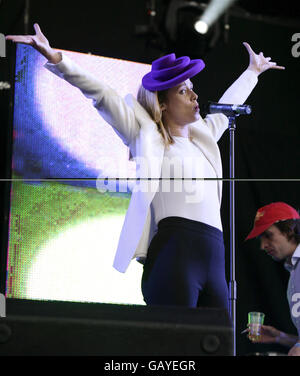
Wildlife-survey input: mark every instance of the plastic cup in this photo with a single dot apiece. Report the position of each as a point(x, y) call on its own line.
point(255, 321)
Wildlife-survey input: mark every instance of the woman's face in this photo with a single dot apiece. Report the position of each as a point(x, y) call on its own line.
point(180, 106)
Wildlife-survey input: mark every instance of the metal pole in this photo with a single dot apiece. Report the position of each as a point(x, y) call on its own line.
point(232, 284)
point(26, 16)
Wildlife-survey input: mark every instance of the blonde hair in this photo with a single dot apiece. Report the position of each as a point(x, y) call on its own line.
point(151, 101)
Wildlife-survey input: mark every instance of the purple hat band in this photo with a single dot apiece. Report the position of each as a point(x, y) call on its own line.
point(167, 72)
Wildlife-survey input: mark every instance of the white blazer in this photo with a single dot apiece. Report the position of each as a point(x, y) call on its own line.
point(139, 132)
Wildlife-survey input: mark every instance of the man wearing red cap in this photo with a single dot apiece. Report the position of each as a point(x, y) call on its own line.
point(278, 227)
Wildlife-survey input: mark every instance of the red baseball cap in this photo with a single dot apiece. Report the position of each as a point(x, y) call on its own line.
point(270, 214)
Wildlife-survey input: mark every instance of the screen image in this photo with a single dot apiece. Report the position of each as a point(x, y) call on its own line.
point(63, 231)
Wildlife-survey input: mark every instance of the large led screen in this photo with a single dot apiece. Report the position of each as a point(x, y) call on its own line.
point(63, 231)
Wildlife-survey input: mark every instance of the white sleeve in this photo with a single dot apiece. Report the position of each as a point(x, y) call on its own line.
point(237, 93)
point(240, 90)
point(106, 100)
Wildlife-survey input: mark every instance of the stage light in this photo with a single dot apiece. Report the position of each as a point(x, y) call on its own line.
point(182, 38)
point(211, 14)
point(201, 27)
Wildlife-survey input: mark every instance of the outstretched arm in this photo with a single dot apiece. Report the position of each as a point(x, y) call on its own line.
point(38, 42)
point(239, 91)
point(109, 104)
point(258, 63)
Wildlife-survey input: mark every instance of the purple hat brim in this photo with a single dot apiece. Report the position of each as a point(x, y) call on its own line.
point(191, 70)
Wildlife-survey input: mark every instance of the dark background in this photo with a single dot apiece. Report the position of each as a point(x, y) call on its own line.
point(267, 141)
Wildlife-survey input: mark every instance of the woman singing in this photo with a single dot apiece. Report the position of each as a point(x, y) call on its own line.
point(175, 234)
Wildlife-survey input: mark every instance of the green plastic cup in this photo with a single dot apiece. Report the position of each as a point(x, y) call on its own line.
point(255, 321)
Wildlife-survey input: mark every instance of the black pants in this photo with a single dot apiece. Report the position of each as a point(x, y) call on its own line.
point(185, 265)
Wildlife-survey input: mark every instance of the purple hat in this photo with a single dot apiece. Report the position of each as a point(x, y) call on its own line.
point(167, 72)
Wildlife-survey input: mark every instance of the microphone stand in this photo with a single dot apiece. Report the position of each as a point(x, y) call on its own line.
point(232, 283)
point(232, 111)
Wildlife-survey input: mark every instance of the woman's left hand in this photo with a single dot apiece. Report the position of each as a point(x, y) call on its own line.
point(258, 63)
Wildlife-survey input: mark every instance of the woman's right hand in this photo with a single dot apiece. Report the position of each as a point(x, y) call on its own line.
point(38, 42)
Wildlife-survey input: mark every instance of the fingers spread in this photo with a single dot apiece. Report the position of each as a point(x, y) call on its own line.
point(275, 66)
point(249, 49)
point(37, 28)
point(20, 38)
point(15, 38)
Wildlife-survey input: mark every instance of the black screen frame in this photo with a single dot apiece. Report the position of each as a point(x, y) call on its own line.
point(6, 157)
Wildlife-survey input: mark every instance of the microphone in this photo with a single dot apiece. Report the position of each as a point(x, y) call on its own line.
point(229, 109)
